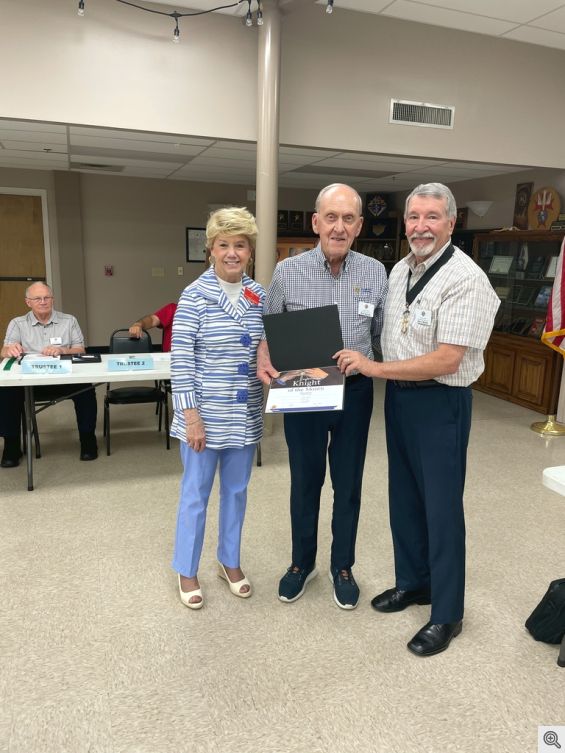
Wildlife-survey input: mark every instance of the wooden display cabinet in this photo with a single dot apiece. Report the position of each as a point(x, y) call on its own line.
point(518, 366)
point(294, 246)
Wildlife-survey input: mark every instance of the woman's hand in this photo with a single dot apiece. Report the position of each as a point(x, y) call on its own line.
point(349, 361)
point(265, 369)
point(195, 430)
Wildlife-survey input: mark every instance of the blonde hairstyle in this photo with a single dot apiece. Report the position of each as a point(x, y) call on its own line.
point(231, 221)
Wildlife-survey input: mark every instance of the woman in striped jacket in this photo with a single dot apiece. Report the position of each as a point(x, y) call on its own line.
point(217, 399)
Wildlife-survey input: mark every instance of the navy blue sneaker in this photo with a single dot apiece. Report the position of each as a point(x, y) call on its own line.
point(293, 582)
point(346, 590)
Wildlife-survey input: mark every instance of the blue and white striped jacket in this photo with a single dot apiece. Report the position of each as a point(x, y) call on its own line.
point(214, 362)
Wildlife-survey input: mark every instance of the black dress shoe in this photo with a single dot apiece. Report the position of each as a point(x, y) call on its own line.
point(395, 600)
point(10, 461)
point(434, 638)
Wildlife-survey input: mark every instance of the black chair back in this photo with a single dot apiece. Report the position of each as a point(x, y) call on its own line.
point(122, 342)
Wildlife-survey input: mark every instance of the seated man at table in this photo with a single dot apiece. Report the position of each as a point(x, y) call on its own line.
point(51, 333)
point(163, 319)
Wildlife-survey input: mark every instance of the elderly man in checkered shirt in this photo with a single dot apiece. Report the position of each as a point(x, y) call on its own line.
point(329, 274)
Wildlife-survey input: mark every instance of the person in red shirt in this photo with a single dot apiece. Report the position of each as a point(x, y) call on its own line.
point(163, 318)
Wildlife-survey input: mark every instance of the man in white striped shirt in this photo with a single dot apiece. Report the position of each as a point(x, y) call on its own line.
point(439, 316)
point(329, 274)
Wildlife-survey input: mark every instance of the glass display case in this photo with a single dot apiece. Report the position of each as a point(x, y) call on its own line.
point(521, 267)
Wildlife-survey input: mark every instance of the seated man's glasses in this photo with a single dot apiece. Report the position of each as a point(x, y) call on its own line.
point(40, 298)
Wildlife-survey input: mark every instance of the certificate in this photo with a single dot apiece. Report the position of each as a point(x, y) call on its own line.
point(500, 265)
point(300, 344)
point(195, 244)
point(301, 390)
point(552, 266)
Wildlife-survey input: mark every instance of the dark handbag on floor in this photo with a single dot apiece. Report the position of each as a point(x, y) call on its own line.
point(547, 622)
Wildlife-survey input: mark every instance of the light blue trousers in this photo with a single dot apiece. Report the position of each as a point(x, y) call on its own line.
point(198, 477)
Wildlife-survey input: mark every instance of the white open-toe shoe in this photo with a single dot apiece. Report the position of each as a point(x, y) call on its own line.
point(185, 597)
point(235, 588)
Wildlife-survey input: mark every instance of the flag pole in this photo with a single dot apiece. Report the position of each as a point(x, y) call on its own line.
point(549, 428)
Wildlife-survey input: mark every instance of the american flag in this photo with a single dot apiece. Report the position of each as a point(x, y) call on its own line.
point(554, 331)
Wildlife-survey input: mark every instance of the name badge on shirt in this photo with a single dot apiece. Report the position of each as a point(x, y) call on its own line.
point(423, 317)
point(55, 341)
point(366, 309)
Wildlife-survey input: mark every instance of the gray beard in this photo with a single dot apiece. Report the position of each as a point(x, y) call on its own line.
point(425, 251)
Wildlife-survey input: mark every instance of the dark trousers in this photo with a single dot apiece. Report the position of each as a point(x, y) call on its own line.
point(307, 436)
point(427, 432)
point(12, 406)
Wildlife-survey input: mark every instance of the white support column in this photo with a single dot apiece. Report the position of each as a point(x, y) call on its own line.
point(268, 95)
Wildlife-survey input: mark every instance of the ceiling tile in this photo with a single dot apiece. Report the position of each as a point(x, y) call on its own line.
point(33, 147)
point(27, 125)
point(33, 155)
point(228, 164)
point(537, 36)
point(111, 160)
point(428, 14)
point(162, 138)
point(135, 145)
point(520, 11)
point(553, 21)
point(240, 155)
point(312, 154)
point(32, 137)
point(245, 146)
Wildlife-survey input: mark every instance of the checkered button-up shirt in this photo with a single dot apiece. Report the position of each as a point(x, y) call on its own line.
point(457, 307)
point(34, 335)
point(305, 281)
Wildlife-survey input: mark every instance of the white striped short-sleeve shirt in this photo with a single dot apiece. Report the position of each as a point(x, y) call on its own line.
point(459, 304)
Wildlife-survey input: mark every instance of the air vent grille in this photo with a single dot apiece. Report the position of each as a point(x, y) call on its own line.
point(421, 114)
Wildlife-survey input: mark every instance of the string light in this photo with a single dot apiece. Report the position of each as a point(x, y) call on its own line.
point(175, 15)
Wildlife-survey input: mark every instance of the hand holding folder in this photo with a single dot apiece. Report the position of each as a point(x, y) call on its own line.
point(301, 346)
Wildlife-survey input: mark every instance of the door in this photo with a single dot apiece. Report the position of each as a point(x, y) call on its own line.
point(22, 253)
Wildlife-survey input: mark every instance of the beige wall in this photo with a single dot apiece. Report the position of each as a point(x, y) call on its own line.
point(117, 67)
point(506, 94)
point(501, 190)
point(136, 225)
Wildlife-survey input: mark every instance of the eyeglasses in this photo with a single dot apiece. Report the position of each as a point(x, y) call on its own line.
point(41, 298)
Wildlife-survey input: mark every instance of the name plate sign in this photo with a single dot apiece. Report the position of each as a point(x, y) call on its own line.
point(46, 366)
point(131, 363)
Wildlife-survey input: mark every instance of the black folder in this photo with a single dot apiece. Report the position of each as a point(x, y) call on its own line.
point(303, 339)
